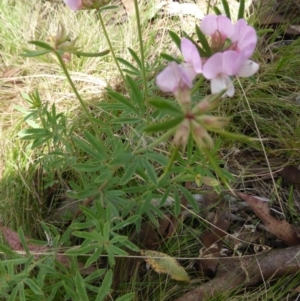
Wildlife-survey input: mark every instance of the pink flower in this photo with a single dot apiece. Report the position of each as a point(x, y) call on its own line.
point(74, 4)
point(219, 67)
point(244, 38)
point(191, 55)
point(217, 27)
point(175, 77)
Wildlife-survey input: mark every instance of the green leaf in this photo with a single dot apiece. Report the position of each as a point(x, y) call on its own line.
point(29, 134)
point(176, 39)
point(105, 175)
point(127, 297)
point(217, 11)
point(136, 94)
point(91, 54)
point(94, 142)
point(190, 198)
point(203, 41)
point(128, 65)
point(128, 221)
point(226, 8)
point(157, 157)
point(77, 251)
point(70, 290)
point(22, 292)
point(94, 257)
point(87, 167)
point(169, 58)
point(105, 286)
point(23, 240)
point(85, 193)
point(119, 97)
point(88, 149)
point(177, 202)
point(116, 250)
point(233, 136)
point(135, 57)
point(88, 235)
point(163, 126)
point(241, 10)
point(95, 275)
point(130, 169)
point(165, 195)
point(33, 286)
point(164, 105)
point(127, 120)
point(128, 244)
point(80, 287)
point(150, 171)
point(42, 45)
point(13, 294)
point(121, 159)
point(32, 53)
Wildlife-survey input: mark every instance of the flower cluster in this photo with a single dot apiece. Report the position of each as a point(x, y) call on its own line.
point(224, 62)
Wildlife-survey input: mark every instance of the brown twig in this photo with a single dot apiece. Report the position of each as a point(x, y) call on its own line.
point(247, 271)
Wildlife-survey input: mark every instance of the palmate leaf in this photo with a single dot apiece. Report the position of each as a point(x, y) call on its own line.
point(163, 263)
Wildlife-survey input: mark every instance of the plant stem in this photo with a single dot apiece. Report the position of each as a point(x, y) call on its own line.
point(66, 72)
point(111, 47)
point(143, 69)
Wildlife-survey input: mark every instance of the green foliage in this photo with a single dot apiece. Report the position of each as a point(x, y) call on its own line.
point(120, 162)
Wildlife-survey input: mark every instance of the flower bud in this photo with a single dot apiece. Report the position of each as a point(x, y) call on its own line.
point(217, 41)
point(212, 122)
point(208, 103)
point(182, 133)
point(201, 136)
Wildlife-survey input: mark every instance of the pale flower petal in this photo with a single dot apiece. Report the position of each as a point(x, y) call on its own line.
point(248, 69)
point(191, 54)
point(73, 4)
point(187, 73)
point(168, 80)
point(231, 62)
point(245, 38)
point(175, 77)
point(213, 66)
point(220, 83)
point(211, 23)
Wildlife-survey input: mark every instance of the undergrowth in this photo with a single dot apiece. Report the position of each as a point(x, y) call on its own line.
point(35, 183)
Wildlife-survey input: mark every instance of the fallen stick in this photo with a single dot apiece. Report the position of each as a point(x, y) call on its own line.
point(247, 271)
